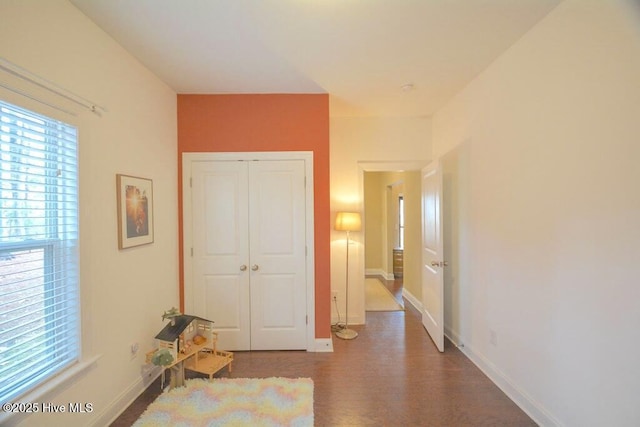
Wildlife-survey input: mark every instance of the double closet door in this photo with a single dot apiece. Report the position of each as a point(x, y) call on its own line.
point(248, 261)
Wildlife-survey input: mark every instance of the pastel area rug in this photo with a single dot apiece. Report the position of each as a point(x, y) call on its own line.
point(233, 402)
point(378, 297)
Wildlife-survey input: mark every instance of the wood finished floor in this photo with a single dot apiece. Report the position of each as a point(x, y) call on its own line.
point(391, 375)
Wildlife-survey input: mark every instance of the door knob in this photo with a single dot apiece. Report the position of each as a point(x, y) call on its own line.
point(255, 267)
point(439, 263)
point(243, 267)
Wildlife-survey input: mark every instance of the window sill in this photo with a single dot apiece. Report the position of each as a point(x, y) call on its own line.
point(43, 391)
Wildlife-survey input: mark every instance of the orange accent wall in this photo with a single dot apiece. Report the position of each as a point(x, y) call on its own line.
point(275, 122)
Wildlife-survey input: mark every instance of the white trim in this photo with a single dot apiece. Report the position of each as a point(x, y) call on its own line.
point(453, 336)
point(394, 165)
point(112, 411)
point(324, 345)
point(374, 272)
point(307, 157)
point(523, 400)
point(379, 272)
point(43, 392)
point(530, 406)
point(411, 299)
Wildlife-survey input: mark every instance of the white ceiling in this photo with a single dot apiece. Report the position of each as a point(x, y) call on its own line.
point(361, 52)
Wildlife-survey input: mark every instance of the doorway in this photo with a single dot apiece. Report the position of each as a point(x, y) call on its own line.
point(384, 238)
point(413, 290)
point(392, 224)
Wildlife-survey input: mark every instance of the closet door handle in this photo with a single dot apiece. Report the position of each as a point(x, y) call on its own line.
point(243, 267)
point(255, 267)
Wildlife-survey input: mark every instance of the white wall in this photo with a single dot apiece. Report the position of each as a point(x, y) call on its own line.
point(541, 153)
point(123, 292)
point(361, 144)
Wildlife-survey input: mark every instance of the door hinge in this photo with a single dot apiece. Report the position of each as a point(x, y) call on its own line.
point(306, 319)
point(191, 252)
point(190, 182)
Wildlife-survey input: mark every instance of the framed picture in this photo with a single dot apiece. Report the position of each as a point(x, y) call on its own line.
point(135, 211)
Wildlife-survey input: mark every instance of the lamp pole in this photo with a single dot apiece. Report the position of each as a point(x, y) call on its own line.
point(346, 333)
point(347, 221)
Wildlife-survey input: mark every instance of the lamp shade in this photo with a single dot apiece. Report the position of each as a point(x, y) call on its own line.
point(348, 221)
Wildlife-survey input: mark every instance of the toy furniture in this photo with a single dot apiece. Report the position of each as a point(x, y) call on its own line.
point(192, 344)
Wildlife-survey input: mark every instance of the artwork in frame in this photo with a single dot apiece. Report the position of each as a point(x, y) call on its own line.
point(135, 211)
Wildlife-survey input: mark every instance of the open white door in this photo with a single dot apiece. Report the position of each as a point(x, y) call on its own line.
point(432, 253)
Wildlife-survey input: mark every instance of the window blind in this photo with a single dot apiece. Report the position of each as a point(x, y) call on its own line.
point(39, 278)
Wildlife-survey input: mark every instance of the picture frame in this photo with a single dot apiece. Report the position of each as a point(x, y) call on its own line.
point(135, 211)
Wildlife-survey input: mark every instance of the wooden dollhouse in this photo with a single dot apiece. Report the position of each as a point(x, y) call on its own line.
point(183, 332)
point(191, 342)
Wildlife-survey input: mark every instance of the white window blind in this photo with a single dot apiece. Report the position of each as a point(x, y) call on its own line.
point(39, 301)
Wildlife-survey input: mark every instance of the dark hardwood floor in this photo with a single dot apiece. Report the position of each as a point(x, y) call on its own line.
point(390, 375)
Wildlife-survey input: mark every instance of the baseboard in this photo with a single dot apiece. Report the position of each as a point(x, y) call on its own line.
point(530, 406)
point(324, 345)
point(452, 336)
point(379, 272)
point(411, 299)
point(374, 272)
point(353, 320)
point(126, 398)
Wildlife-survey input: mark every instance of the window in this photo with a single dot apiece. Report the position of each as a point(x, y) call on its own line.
point(39, 301)
point(400, 222)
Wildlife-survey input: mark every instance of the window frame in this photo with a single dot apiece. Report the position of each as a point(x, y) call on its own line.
point(56, 249)
point(401, 221)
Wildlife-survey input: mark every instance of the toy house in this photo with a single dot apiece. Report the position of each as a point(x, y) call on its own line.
point(183, 332)
point(191, 342)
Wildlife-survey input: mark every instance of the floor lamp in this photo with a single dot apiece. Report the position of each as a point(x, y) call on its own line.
point(347, 221)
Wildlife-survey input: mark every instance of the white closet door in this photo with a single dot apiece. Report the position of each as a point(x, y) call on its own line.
point(249, 254)
point(221, 250)
point(277, 253)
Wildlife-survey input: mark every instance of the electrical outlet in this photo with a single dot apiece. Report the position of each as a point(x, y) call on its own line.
point(133, 350)
point(334, 295)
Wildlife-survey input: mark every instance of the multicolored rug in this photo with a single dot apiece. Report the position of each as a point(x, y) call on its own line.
point(233, 402)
